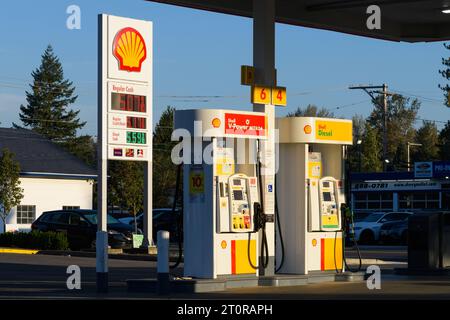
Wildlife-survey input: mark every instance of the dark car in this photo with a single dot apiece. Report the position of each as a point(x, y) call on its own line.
point(163, 219)
point(395, 232)
point(81, 228)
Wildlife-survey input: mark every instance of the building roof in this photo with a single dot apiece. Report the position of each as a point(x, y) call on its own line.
point(390, 175)
point(401, 20)
point(40, 157)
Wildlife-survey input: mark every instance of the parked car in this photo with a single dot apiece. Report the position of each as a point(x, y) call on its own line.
point(81, 228)
point(359, 216)
point(367, 231)
point(395, 232)
point(162, 220)
point(119, 214)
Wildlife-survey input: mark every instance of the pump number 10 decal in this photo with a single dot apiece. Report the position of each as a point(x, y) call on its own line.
point(197, 183)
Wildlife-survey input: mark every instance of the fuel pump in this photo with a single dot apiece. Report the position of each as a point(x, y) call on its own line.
point(310, 183)
point(221, 192)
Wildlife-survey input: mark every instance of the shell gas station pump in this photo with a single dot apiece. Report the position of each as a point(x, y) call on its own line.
point(310, 182)
point(221, 195)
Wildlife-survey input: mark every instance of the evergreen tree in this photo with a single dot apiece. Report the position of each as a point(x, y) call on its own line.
point(164, 171)
point(47, 109)
point(312, 110)
point(444, 139)
point(371, 150)
point(354, 152)
point(428, 136)
point(446, 75)
point(84, 148)
point(10, 191)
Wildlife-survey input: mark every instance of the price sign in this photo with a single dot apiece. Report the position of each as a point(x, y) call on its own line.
point(279, 96)
point(261, 95)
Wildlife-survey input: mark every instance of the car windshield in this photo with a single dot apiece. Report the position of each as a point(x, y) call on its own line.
point(374, 217)
point(92, 218)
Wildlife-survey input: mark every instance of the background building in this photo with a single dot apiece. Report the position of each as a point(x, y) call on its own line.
point(425, 188)
point(51, 178)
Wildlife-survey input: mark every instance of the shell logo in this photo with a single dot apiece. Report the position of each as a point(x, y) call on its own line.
point(129, 49)
point(223, 244)
point(307, 129)
point(215, 122)
point(314, 242)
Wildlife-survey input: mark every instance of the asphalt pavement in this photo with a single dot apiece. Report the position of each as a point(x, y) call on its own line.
point(44, 277)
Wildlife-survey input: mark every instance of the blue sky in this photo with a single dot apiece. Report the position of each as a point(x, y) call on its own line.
point(199, 53)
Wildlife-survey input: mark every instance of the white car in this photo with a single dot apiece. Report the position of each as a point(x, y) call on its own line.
point(367, 231)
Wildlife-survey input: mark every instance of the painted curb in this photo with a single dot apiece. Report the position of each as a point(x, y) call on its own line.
point(354, 261)
point(18, 251)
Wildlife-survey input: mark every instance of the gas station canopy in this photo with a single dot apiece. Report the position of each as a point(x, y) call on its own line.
point(401, 20)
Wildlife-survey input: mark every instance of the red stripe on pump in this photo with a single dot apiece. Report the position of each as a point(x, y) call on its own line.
point(322, 254)
point(233, 257)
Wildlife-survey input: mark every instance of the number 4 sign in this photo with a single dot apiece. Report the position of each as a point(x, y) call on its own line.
point(279, 96)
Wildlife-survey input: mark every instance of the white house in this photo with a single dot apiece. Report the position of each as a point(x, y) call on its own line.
point(51, 178)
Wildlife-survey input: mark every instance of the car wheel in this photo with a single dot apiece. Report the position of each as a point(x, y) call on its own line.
point(366, 237)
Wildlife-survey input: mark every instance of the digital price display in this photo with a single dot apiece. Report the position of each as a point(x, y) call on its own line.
point(128, 102)
point(136, 122)
point(136, 137)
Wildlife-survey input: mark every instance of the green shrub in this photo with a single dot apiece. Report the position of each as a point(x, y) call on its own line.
point(35, 240)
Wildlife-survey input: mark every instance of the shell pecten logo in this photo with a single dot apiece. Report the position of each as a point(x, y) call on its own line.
point(216, 122)
point(307, 129)
point(129, 49)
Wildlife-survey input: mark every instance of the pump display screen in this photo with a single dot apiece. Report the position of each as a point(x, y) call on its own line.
point(128, 102)
point(237, 182)
point(327, 196)
point(237, 195)
point(326, 184)
point(136, 137)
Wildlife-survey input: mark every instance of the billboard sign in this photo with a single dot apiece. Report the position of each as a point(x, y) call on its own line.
point(423, 169)
point(126, 108)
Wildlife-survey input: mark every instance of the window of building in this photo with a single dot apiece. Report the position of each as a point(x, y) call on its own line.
point(373, 201)
point(419, 200)
point(26, 214)
point(71, 207)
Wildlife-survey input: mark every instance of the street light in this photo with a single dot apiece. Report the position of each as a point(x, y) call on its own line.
point(359, 152)
point(414, 145)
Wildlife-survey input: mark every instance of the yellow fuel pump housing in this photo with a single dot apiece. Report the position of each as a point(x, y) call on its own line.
point(310, 182)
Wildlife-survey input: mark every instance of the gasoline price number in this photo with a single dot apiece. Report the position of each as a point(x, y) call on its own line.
point(136, 137)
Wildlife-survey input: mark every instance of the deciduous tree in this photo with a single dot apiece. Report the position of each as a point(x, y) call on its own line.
point(10, 191)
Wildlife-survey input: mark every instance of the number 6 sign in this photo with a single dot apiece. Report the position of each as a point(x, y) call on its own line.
point(261, 95)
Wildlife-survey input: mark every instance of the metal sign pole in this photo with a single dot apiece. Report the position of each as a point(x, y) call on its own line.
point(102, 233)
point(264, 63)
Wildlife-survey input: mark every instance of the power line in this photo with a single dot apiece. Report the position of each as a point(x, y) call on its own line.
point(350, 105)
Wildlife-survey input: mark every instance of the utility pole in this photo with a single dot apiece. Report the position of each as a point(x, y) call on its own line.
point(370, 90)
point(384, 125)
